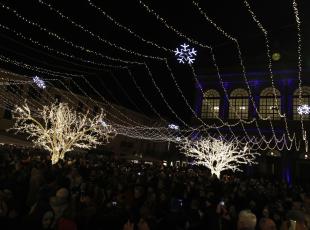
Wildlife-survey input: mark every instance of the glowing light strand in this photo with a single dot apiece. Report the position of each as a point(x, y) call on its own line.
point(127, 29)
point(41, 28)
point(52, 50)
point(163, 21)
point(66, 41)
point(84, 29)
point(260, 26)
point(241, 63)
point(298, 23)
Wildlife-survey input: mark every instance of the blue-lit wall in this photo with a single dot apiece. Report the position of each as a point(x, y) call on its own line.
point(286, 81)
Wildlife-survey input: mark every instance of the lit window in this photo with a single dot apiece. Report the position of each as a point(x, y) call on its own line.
point(305, 100)
point(210, 104)
point(268, 105)
point(239, 104)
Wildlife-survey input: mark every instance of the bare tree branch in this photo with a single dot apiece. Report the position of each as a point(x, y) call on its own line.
point(218, 155)
point(59, 129)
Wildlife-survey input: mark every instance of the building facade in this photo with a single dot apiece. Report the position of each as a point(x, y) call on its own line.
point(230, 98)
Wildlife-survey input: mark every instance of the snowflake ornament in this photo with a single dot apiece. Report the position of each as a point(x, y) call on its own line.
point(39, 82)
point(185, 54)
point(173, 126)
point(303, 109)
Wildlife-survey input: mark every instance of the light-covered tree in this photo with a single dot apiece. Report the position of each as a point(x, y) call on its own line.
point(218, 155)
point(59, 129)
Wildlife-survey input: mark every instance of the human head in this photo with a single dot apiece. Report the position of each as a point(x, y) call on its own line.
point(62, 195)
point(267, 224)
point(246, 220)
point(47, 219)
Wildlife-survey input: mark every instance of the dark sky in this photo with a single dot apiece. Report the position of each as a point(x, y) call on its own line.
point(276, 15)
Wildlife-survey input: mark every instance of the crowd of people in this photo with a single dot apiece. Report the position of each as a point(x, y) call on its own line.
point(92, 192)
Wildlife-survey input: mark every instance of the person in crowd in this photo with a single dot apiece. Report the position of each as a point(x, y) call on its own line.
point(246, 220)
point(266, 224)
point(94, 192)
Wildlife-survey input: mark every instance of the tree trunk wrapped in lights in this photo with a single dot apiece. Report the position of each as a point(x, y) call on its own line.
point(218, 155)
point(59, 129)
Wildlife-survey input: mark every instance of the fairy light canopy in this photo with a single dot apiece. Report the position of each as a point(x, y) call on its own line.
point(141, 73)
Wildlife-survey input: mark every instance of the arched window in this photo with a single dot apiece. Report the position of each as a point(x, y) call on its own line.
point(239, 104)
point(210, 104)
point(305, 100)
point(268, 105)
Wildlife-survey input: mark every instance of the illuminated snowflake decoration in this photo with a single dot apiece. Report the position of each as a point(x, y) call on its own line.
point(39, 82)
point(185, 54)
point(303, 109)
point(172, 126)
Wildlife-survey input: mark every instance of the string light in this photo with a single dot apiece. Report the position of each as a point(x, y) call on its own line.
point(84, 29)
point(188, 104)
point(145, 133)
point(88, 51)
point(58, 37)
point(144, 40)
point(144, 97)
point(163, 97)
point(163, 21)
point(170, 27)
point(127, 29)
point(95, 102)
point(298, 23)
point(72, 22)
point(260, 26)
point(55, 35)
point(33, 41)
point(154, 44)
point(240, 59)
point(34, 68)
point(92, 34)
point(41, 28)
point(125, 92)
point(243, 69)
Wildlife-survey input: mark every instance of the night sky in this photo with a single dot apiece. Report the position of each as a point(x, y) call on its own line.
point(115, 84)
